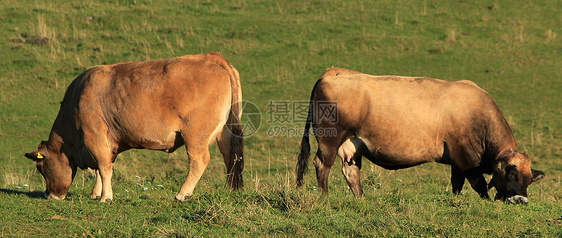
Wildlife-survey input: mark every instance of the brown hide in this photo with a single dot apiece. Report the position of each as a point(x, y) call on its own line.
point(159, 105)
point(399, 122)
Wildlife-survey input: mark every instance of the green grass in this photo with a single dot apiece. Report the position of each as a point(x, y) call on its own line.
point(511, 49)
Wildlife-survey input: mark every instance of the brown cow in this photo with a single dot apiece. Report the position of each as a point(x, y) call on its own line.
point(399, 122)
point(158, 105)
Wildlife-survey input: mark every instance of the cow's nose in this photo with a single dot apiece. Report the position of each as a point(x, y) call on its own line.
point(55, 197)
point(518, 199)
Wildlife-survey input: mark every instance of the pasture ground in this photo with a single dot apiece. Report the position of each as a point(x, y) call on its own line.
point(512, 49)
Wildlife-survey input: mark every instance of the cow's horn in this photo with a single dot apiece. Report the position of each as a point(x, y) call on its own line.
point(500, 166)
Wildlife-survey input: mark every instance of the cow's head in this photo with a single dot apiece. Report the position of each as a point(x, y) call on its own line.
point(512, 176)
point(56, 170)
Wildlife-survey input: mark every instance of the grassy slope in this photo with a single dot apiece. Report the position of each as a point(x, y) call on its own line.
point(280, 49)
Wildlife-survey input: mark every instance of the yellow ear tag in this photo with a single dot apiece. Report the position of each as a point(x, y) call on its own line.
point(39, 156)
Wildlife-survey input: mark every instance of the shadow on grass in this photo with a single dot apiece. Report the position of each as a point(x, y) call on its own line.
point(34, 194)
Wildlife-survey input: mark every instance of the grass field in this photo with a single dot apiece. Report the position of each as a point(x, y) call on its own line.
point(512, 49)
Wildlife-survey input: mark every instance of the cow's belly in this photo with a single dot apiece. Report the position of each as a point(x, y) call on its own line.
point(167, 141)
point(395, 159)
point(395, 155)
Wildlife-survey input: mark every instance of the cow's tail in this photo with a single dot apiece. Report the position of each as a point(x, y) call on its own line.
point(302, 163)
point(235, 162)
point(237, 134)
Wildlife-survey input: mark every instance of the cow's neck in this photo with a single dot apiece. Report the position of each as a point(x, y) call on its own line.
point(55, 142)
point(500, 139)
point(63, 132)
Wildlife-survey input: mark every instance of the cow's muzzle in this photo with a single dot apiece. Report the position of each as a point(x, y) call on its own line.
point(518, 199)
point(55, 197)
point(515, 199)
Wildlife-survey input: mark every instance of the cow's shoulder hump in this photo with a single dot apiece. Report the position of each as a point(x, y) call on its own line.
point(338, 72)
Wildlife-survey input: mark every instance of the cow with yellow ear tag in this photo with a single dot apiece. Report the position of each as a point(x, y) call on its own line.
point(192, 100)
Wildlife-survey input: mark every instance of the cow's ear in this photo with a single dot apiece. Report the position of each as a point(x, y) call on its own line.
point(35, 156)
point(537, 175)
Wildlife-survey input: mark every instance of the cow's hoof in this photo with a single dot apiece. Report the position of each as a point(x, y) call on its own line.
point(183, 198)
point(106, 199)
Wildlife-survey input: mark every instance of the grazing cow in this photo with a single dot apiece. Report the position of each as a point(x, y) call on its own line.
point(158, 105)
point(399, 122)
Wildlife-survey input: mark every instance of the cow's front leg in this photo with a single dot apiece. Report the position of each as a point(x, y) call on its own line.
point(101, 150)
point(198, 161)
point(104, 158)
point(478, 183)
point(457, 179)
point(106, 172)
point(96, 191)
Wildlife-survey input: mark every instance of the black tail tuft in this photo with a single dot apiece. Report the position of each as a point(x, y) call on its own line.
point(302, 163)
point(236, 158)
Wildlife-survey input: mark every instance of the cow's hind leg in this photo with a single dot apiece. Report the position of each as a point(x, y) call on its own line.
point(457, 179)
point(352, 172)
point(326, 155)
point(323, 161)
point(96, 191)
point(199, 158)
